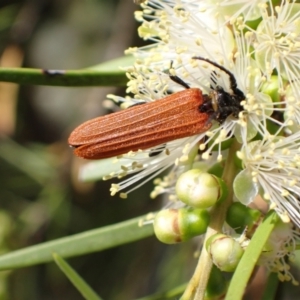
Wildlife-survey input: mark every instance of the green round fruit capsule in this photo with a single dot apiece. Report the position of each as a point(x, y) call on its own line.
point(177, 225)
point(225, 252)
point(241, 217)
point(199, 189)
point(271, 88)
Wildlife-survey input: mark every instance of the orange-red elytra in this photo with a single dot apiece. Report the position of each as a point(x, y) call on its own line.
point(182, 114)
point(142, 126)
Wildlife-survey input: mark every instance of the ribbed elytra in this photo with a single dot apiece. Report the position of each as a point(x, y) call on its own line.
point(142, 126)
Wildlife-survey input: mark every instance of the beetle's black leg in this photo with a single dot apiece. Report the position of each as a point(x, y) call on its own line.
point(177, 79)
point(213, 79)
point(157, 150)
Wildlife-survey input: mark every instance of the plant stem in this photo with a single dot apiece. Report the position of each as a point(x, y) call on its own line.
point(76, 78)
point(104, 74)
point(197, 285)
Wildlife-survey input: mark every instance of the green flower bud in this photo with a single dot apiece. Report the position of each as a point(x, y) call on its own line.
point(240, 217)
point(271, 88)
point(216, 286)
point(225, 252)
point(177, 225)
point(217, 168)
point(199, 189)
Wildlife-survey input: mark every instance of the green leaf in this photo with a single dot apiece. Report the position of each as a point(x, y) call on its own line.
point(78, 244)
point(31, 163)
point(85, 290)
point(172, 294)
point(106, 74)
point(246, 266)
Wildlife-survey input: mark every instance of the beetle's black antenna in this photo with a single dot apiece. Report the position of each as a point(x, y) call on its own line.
point(232, 80)
point(178, 79)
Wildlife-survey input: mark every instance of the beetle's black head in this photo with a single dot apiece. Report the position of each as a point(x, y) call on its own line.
point(220, 104)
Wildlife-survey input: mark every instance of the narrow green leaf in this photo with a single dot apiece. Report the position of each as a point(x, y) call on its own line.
point(172, 294)
point(106, 74)
point(78, 244)
point(246, 266)
point(25, 160)
point(85, 290)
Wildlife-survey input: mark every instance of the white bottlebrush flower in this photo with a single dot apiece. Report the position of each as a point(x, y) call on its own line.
point(179, 42)
point(183, 34)
point(220, 31)
point(277, 40)
point(273, 168)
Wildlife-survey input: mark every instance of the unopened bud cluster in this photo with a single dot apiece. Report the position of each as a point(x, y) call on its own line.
point(198, 191)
